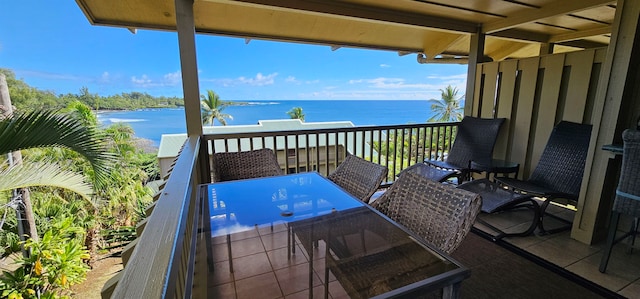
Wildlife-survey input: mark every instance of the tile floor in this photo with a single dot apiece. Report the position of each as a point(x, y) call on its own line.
point(623, 272)
point(261, 265)
point(263, 269)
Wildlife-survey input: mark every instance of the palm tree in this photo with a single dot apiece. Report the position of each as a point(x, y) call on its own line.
point(296, 113)
point(211, 108)
point(45, 128)
point(449, 107)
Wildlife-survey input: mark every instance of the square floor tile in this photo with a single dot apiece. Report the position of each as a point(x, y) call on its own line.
point(264, 286)
point(280, 258)
point(632, 291)
point(246, 247)
point(221, 273)
point(318, 292)
point(275, 240)
point(220, 252)
point(226, 290)
point(251, 265)
point(296, 278)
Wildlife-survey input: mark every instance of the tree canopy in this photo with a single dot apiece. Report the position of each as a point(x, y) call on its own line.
point(449, 107)
point(25, 97)
point(211, 107)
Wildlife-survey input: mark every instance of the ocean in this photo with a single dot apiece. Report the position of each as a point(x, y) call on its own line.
point(152, 123)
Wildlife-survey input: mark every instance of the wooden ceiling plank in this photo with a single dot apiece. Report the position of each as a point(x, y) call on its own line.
point(361, 12)
point(529, 15)
point(580, 34)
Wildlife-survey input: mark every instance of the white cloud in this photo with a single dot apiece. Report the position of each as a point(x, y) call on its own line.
point(369, 95)
point(53, 76)
point(450, 77)
point(392, 83)
point(384, 65)
point(291, 79)
point(105, 78)
point(258, 80)
point(143, 81)
point(169, 79)
point(173, 79)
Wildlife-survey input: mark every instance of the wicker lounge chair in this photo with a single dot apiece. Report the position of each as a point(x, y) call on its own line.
point(559, 172)
point(474, 141)
point(439, 213)
point(496, 199)
point(245, 165)
point(430, 172)
point(359, 177)
point(627, 201)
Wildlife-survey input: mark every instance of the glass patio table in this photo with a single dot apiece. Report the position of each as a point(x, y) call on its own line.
point(354, 250)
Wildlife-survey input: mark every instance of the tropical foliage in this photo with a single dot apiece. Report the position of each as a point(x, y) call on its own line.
point(74, 223)
point(55, 263)
point(296, 113)
point(407, 147)
point(449, 108)
point(26, 98)
point(211, 108)
point(47, 128)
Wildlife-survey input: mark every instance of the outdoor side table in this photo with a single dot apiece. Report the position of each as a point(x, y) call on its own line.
point(497, 166)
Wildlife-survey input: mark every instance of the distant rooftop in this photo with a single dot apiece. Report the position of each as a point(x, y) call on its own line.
point(170, 144)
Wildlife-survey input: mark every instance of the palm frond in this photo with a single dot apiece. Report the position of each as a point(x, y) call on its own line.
point(47, 128)
point(30, 174)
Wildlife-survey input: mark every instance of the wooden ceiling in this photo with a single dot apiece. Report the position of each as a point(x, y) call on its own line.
point(440, 28)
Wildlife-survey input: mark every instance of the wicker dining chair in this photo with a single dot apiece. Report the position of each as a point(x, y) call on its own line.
point(558, 174)
point(245, 165)
point(359, 177)
point(627, 201)
point(474, 141)
point(439, 213)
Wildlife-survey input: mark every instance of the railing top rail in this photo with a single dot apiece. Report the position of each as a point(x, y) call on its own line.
point(147, 275)
point(326, 131)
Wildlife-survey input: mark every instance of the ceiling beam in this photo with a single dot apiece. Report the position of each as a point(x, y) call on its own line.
point(363, 13)
point(522, 35)
point(580, 34)
point(505, 51)
point(286, 38)
point(432, 48)
point(529, 15)
point(583, 44)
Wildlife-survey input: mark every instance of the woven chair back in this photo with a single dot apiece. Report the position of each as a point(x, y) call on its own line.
point(628, 194)
point(474, 141)
point(561, 164)
point(439, 213)
point(359, 177)
point(245, 165)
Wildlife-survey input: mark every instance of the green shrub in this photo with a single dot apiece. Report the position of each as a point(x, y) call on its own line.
point(55, 263)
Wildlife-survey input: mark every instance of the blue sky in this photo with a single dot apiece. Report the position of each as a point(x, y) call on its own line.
point(52, 46)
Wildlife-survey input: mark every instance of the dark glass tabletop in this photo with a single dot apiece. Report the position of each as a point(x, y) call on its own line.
point(355, 250)
point(237, 206)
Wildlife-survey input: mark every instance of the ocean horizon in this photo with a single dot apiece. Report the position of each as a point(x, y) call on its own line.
point(153, 123)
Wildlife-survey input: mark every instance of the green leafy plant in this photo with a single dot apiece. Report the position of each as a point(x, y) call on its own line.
point(56, 262)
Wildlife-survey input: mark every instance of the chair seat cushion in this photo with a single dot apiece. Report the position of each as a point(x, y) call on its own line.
point(494, 197)
point(432, 173)
point(445, 165)
point(530, 187)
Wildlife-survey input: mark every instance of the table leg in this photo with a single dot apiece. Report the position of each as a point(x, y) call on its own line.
point(229, 251)
point(451, 291)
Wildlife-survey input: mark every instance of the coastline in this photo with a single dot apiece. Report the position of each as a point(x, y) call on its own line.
point(152, 123)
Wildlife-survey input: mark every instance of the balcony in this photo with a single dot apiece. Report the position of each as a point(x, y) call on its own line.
point(533, 65)
point(172, 254)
